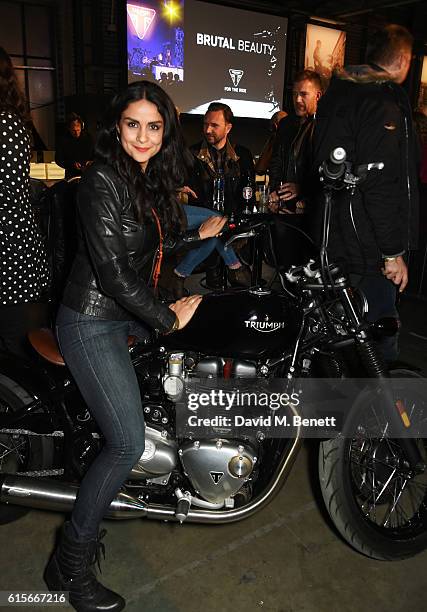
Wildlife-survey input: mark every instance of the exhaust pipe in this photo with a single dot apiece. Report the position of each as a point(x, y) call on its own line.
point(45, 494)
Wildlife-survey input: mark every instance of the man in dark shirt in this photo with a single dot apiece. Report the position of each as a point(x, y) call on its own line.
point(216, 155)
point(288, 158)
point(75, 149)
point(287, 169)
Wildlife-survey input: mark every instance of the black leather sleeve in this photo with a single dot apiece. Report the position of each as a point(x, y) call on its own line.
point(99, 205)
point(190, 238)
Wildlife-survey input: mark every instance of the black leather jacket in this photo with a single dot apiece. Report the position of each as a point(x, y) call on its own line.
point(238, 163)
point(115, 255)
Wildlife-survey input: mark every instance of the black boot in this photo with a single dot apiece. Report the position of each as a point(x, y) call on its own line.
point(240, 277)
point(214, 278)
point(70, 570)
point(171, 285)
point(177, 286)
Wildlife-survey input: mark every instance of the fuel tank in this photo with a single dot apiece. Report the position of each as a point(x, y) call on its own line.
point(252, 323)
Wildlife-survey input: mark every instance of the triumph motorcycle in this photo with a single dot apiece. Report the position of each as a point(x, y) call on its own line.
point(374, 486)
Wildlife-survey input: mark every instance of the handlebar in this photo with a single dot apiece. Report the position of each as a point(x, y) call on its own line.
point(246, 227)
point(337, 172)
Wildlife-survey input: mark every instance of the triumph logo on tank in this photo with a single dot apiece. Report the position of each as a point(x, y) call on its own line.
point(265, 326)
point(216, 476)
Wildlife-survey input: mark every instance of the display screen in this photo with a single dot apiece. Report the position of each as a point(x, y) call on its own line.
point(202, 52)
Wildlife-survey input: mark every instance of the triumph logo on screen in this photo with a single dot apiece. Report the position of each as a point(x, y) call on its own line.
point(141, 18)
point(235, 75)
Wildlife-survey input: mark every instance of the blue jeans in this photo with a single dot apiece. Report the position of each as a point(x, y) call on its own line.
point(381, 294)
point(96, 353)
point(195, 217)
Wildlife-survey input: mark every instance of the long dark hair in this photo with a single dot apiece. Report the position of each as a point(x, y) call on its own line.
point(157, 187)
point(11, 97)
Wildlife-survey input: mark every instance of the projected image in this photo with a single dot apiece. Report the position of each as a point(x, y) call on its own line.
point(155, 41)
point(238, 57)
point(231, 55)
point(324, 50)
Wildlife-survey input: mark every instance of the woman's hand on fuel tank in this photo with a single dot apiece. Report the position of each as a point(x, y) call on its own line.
point(212, 227)
point(185, 308)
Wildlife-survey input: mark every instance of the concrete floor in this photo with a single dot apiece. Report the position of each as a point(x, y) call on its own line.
point(287, 558)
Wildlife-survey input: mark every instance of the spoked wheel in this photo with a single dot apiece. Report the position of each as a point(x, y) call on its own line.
point(19, 452)
point(378, 504)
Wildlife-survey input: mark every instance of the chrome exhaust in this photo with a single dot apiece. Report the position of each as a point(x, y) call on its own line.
point(47, 494)
point(58, 496)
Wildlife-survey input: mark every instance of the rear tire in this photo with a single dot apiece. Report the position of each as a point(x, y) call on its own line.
point(19, 453)
point(376, 507)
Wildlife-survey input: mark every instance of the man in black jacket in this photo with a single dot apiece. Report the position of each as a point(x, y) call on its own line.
point(294, 131)
point(213, 157)
point(287, 167)
point(366, 112)
point(216, 155)
point(74, 151)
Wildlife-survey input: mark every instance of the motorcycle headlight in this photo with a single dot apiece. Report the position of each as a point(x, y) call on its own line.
point(360, 302)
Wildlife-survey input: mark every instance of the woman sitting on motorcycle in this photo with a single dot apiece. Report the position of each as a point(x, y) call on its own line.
point(128, 209)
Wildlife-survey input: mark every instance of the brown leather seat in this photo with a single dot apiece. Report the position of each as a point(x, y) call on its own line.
point(44, 342)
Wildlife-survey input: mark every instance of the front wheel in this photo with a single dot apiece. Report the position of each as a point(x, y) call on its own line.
point(376, 503)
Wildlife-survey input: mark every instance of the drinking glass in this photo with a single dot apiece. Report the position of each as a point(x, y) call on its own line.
point(262, 197)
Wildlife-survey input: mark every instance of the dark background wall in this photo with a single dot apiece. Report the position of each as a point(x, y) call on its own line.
point(85, 51)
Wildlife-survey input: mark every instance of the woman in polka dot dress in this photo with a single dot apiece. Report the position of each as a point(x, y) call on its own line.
point(24, 273)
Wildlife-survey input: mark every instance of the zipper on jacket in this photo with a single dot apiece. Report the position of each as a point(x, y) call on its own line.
point(408, 182)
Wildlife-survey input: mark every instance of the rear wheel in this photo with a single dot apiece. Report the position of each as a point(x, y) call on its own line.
point(377, 504)
point(19, 452)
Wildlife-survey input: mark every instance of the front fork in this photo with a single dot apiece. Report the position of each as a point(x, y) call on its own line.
point(376, 367)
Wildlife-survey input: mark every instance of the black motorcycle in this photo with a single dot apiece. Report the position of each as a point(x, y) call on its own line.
point(374, 484)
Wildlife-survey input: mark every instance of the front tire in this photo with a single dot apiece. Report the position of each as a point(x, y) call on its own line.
point(377, 507)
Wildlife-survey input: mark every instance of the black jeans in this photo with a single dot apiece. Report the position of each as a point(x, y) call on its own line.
point(96, 352)
point(381, 295)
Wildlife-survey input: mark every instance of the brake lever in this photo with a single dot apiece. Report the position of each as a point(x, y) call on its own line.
point(248, 234)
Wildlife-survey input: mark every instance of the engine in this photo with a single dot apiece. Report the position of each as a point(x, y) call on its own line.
point(181, 365)
point(216, 468)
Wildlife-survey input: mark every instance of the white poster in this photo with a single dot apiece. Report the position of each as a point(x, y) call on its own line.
point(324, 50)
